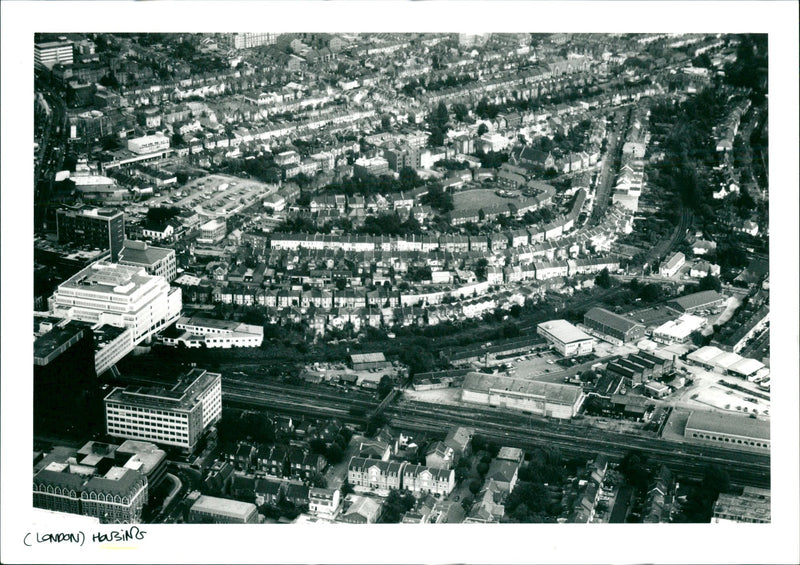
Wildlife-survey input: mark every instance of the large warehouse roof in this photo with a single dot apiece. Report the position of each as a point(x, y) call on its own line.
point(696, 300)
point(728, 424)
point(611, 319)
point(563, 331)
point(552, 392)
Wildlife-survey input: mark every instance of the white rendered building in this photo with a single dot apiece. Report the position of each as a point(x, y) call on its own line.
point(120, 296)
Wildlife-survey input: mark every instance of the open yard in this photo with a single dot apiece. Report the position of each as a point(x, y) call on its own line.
point(478, 198)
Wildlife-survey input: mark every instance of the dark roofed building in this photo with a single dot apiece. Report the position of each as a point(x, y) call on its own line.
point(697, 301)
point(614, 326)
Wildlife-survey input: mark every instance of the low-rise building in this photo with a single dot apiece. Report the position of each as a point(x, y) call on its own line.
point(672, 264)
point(214, 510)
point(540, 398)
point(567, 339)
point(613, 327)
point(198, 332)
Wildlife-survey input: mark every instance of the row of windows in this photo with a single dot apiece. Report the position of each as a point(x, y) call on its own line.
point(135, 429)
point(129, 410)
point(730, 440)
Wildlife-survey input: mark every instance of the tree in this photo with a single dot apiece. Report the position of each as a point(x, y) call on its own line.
point(409, 179)
point(482, 128)
point(385, 386)
point(481, 266)
point(177, 140)
point(386, 123)
point(603, 279)
point(475, 486)
point(334, 454)
point(436, 138)
point(709, 282)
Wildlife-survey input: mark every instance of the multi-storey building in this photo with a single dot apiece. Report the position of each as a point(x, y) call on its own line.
point(212, 231)
point(178, 416)
point(120, 296)
point(48, 54)
point(250, 40)
point(157, 261)
point(102, 228)
point(116, 496)
point(383, 476)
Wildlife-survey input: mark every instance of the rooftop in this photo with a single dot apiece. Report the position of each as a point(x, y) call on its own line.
point(182, 396)
point(107, 277)
point(611, 319)
point(140, 253)
point(728, 424)
point(552, 392)
point(697, 300)
point(224, 507)
point(564, 331)
point(47, 346)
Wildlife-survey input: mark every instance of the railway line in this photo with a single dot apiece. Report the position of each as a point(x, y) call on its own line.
point(504, 426)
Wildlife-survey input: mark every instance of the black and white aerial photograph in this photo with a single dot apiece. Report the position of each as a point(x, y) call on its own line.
point(514, 279)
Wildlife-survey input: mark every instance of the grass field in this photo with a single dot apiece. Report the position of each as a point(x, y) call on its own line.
point(476, 199)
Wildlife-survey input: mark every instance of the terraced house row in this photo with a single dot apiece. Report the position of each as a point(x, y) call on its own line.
point(383, 476)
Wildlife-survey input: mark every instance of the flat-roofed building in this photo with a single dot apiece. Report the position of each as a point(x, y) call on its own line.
point(208, 332)
point(120, 296)
point(678, 331)
point(750, 507)
point(50, 53)
point(156, 261)
point(728, 430)
point(213, 231)
point(540, 398)
point(613, 327)
point(178, 416)
point(214, 510)
point(99, 227)
point(566, 338)
point(148, 144)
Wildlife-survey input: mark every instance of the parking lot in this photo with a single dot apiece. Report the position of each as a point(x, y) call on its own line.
point(215, 195)
point(707, 392)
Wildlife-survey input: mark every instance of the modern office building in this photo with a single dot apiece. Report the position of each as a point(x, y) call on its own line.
point(120, 296)
point(567, 339)
point(156, 261)
point(48, 54)
point(613, 327)
point(64, 384)
point(97, 227)
point(178, 416)
point(213, 510)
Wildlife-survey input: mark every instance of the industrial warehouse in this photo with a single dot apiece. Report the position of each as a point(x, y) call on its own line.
point(737, 432)
point(540, 398)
